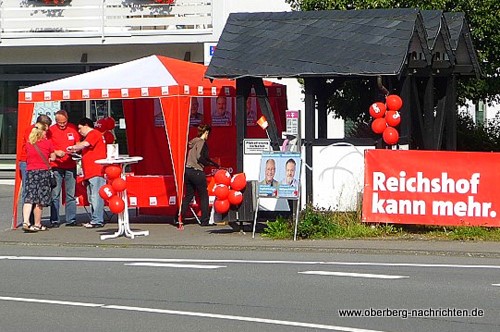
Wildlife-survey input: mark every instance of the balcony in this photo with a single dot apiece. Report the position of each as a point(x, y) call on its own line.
point(105, 22)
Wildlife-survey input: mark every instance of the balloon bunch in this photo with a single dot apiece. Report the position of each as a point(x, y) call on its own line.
point(115, 184)
point(105, 126)
point(386, 117)
point(227, 190)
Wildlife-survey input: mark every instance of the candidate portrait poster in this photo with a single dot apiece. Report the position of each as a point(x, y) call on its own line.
point(279, 175)
point(222, 111)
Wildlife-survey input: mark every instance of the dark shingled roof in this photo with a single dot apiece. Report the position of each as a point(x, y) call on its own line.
point(333, 43)
point(318, 43)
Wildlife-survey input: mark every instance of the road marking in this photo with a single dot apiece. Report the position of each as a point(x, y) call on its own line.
point(192, 314)
point(187, 266)
point(354, 275)
point(240, 261)
point(497, 285)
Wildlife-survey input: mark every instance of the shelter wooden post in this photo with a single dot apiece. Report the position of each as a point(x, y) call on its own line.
point(322, 96)
point(405, 127)
point(417, 122)
point(310, 120)
point(243, 87)
point(265, 106)
point(428, 133)
point(441, 110)
point(451, 114)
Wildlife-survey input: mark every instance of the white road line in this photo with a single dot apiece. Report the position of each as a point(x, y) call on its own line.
point(193, 314)
point(354, 275)
point(497, 285)
point(187, 266)
point(241, 261)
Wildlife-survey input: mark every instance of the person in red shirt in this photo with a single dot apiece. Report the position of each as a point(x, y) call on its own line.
point(39, 151)
point(22, 155)
point(62, 135)
point(93, 147)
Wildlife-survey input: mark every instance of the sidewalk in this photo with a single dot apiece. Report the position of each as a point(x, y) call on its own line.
point(163, 234)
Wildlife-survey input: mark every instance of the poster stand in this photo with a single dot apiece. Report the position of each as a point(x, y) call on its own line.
point(295, 212)
point(286, 167)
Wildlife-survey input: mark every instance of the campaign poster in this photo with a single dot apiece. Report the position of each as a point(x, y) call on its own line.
point(196, 111)
point(48, 108)
point(251, 111)
point(445, 188)
point(222, 111)
point(279, 175)
point(158, 114)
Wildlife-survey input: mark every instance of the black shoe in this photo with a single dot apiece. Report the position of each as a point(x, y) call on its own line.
point(72, 224)
point(54, 225)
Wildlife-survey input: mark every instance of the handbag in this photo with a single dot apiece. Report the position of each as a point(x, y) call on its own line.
point(52, 176)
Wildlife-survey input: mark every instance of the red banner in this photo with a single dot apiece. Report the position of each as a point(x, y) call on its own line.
point(432, 188)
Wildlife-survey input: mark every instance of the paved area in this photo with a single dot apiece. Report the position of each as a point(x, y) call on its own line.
point(163, 233)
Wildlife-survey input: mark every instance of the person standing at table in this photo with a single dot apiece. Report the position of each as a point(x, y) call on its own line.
point(39, 152)
point(62, 135)
point(46, 120)
point(195, 178)
point(93, 148)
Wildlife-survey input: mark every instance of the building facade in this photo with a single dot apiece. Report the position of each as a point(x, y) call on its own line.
point(44, 40)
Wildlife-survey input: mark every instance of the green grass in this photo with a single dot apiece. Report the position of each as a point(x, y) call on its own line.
point(325, 224)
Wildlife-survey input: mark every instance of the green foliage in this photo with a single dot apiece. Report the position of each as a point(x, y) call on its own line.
point(484, 20)
point(279, 229)
point(317, 223)
point(465, 233)
point(477, 137)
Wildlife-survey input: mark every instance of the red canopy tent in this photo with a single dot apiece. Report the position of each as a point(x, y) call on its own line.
point(139, 83)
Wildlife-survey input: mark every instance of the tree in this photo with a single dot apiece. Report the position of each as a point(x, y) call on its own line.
point(483, 17)
point(477, 137)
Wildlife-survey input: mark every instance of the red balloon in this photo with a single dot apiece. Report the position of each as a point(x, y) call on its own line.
point(393, 118)
point(377, 110)
point(101, 125)
point(393, 102)
point(221, 191)
point(109, 138)
point(106, 192)
point(113, 171)
point(222, 177)
point(116, 204)
point(239, 181)
point(110, 123)
point(221, 206)
point(390, 136)
point(119, 184)
point(235, 197)
point(379, 125)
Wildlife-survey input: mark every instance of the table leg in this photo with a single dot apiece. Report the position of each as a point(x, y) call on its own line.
point(123, 222)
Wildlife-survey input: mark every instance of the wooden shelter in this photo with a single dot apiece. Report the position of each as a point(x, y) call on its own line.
point(417, 54)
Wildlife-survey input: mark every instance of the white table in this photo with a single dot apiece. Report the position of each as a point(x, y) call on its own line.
point(123, 220)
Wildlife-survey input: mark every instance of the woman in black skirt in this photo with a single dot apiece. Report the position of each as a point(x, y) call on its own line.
point(38, 192)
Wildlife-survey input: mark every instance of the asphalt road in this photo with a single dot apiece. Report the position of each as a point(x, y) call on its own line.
point(137, 289)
